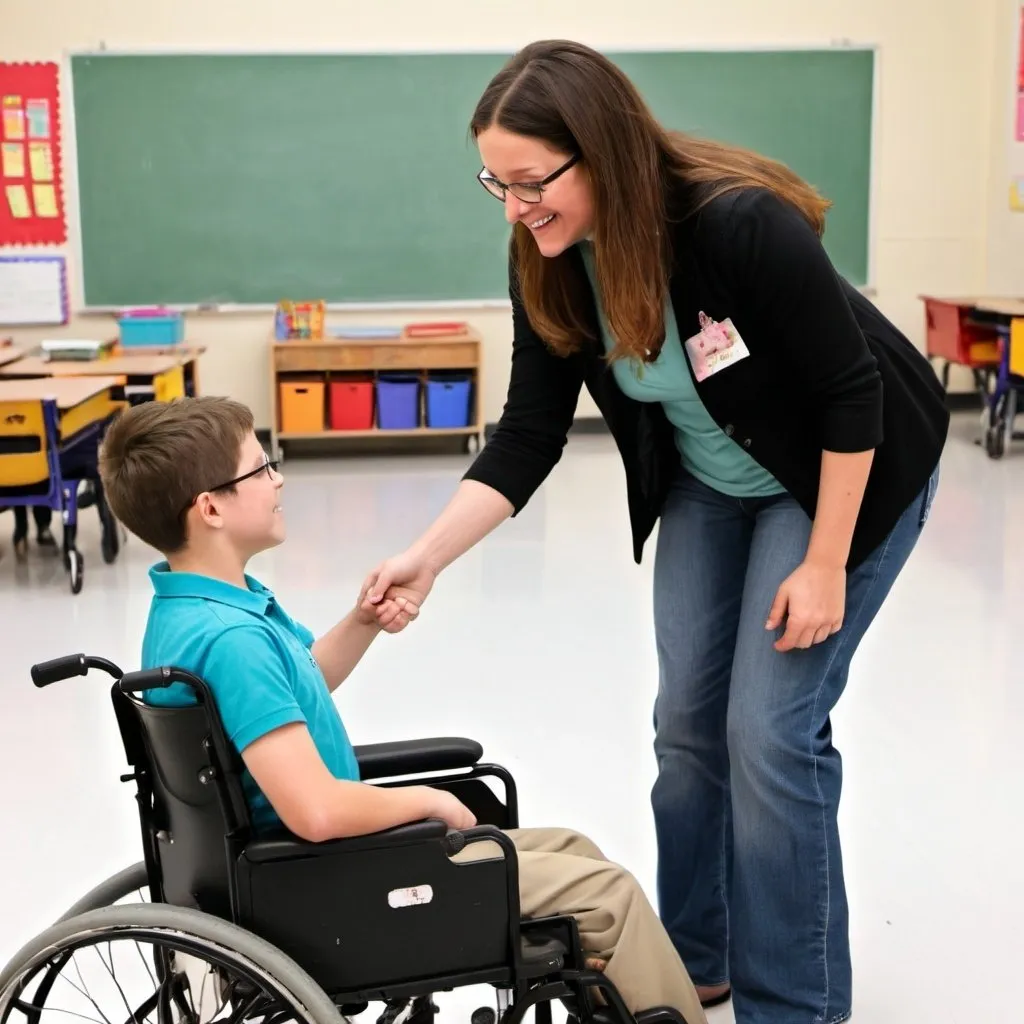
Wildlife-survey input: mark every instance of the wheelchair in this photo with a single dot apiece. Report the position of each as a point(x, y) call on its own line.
point(242, 927)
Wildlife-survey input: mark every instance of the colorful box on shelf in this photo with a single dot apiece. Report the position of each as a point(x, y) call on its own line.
point(151, 326)
point(299, 320)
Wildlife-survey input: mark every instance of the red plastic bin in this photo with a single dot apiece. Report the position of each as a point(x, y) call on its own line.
point(351, 404)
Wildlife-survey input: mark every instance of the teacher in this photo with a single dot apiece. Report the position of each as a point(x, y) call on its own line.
point(785, 435)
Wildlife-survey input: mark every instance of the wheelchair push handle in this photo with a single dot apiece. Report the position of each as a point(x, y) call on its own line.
point(158, 679)
point(59, 669)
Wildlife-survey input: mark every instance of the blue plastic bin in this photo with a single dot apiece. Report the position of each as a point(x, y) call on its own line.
point(152, 330)
point(448, 401)
point(398, 401)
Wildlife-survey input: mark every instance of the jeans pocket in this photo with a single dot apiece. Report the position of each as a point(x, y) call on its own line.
point(928, 497)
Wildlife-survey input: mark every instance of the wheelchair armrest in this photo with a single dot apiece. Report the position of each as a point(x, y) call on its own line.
point(287, 846)
point(415, 757)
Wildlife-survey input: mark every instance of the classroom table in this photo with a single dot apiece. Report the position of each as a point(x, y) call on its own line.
point(986, 334)
point(168, 373)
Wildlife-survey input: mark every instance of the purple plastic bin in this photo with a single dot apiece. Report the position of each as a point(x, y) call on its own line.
point(398, 401)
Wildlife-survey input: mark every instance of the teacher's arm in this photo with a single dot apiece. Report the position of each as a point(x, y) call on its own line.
point(526, 445)
point(785, 278)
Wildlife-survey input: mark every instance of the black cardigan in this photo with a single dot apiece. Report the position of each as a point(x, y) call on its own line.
point(826, 371)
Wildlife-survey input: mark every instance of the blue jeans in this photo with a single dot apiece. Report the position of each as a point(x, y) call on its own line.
point(750, 877)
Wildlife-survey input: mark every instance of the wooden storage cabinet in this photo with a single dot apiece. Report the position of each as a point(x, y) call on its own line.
point(324, 361)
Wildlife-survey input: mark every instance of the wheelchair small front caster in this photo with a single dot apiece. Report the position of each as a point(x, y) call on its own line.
point(485, 1015)
point(420, 1010)
point(423, 1011)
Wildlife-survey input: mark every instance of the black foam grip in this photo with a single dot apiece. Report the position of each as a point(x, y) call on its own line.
point(147, 679)
point(55, 671)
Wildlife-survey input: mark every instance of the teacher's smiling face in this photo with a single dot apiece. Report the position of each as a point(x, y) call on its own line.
point(546, 191)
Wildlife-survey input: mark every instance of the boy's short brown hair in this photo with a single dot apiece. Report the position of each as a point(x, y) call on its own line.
point(156, 458)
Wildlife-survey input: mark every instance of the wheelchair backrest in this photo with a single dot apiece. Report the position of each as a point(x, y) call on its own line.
point(193, 810)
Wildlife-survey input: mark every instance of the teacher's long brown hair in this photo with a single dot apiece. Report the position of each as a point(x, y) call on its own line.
point(577, 101)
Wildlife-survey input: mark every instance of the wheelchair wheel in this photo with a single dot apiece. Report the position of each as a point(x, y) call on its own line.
point(160, 964)
point(131, 882)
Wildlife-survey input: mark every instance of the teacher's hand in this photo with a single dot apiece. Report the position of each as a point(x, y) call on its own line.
point(812, 602)
point(408, 574)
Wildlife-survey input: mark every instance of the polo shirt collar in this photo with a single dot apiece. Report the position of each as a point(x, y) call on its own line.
point(257, 599)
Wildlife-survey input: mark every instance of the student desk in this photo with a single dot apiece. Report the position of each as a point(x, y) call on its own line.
point(167, 374)
point(986, 335)
point(50, 431)
point(81, 401)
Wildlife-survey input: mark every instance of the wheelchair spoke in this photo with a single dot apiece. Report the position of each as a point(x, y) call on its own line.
point(82, 990)
point(244, 1009)
point(110, 971)
point(28, 1010)
point(143, 1012)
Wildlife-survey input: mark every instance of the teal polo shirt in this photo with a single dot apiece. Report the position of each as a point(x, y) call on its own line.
point(704, 449)
point(256, 661)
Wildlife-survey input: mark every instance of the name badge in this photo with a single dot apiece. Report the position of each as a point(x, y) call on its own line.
point(715, 347)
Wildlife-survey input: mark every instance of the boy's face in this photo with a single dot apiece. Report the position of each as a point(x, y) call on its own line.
point(252, 517)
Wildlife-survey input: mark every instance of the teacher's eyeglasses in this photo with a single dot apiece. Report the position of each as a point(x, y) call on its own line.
point(528, 193)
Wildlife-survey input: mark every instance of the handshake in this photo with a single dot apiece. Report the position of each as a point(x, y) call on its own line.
point(392, 594)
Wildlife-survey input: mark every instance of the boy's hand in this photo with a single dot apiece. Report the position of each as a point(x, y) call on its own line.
point(401, 607)
point(450, 809)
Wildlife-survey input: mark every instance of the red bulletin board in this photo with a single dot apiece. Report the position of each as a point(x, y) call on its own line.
point(31, 183)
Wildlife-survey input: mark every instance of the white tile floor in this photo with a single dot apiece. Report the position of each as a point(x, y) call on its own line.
point(539, 643)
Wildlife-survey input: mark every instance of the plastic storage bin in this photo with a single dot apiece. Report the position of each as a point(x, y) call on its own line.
point(151, 327)
point(352, 404)
point(398, 401)
point(302, 406)
point(448, 401)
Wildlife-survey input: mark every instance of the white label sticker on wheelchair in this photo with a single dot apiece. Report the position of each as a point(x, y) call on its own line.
point(415, 896)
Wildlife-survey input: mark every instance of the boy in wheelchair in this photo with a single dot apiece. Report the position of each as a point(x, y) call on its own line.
point(191, 479)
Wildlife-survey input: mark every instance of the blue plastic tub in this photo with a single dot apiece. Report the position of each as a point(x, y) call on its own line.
point(448, 402)
point(152, 330)
point(398, 401)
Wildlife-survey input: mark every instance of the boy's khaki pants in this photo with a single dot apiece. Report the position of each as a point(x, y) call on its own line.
point(564, 873)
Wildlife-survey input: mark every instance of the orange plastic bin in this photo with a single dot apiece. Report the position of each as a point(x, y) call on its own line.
point(302, 406)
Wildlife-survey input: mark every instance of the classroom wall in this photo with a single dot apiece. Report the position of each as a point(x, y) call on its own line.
point(1005, 249)
point(934, 109)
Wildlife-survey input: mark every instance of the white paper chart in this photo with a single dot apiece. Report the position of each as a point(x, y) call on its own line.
point(33, 290)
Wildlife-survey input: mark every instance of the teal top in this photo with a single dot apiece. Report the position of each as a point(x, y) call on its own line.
point(704, 448)
point(256, 661)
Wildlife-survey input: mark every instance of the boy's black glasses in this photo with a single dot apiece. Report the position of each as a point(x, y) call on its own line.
point(268, 467)
point(532, 193)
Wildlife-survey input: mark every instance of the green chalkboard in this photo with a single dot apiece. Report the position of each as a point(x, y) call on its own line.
point(350, 177)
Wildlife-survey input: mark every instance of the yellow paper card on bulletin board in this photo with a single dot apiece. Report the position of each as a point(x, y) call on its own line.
point(17, 200)
point(40, 158)
point(13, 117)
point(45, 198)
point(13, 160)
point(1017, 195)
